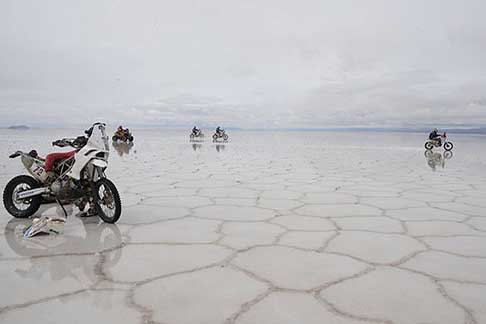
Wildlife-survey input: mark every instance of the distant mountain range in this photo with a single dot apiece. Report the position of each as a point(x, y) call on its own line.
point(19, 127)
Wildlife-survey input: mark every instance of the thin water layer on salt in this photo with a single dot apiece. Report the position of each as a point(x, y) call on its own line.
point(271, 227)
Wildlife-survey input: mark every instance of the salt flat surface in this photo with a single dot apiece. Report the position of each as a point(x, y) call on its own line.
point(267, 228)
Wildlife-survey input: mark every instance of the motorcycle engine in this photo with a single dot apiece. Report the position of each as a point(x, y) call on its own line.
point(62, 188)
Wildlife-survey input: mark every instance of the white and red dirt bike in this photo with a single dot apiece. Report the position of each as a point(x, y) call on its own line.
point(77, 177)
point(431, 143)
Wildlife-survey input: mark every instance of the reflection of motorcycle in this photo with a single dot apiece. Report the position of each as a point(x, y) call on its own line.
point(98, 237)
point(221, 134)
point(437, 159)
point(196, 134)
point(431, 143)
point(196, 147)
point(123, 135)
point(220, 147)
point(71, 177)
point(122, 147)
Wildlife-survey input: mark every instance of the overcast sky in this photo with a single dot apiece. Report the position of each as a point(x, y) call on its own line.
point(251, 63)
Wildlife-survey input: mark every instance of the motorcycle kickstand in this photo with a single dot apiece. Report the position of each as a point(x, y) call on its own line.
point(62, 207)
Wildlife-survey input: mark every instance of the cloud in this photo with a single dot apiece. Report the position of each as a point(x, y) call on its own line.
point(248, 64)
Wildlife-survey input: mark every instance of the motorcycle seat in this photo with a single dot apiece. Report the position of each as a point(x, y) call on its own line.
point(52, 158)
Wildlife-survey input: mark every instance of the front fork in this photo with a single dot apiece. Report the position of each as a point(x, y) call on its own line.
point(96, 174)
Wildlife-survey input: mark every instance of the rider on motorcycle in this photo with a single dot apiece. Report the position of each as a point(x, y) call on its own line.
point(195, 130)
point(120, 131)
point(219, 130)
point(435, 135)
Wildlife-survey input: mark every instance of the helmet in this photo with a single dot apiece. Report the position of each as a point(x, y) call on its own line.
point(436, 130)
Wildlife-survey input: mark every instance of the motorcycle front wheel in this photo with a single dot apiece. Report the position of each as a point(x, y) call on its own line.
point(107, 201)
point(448, 146)
point(215, 138)
point(429, 145)
point(21, 208)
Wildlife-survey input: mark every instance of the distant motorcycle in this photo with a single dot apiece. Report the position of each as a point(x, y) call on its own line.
point(196, 134)
point(124, 136)
point(71, 177)
point(430, 144)
point(222, 134)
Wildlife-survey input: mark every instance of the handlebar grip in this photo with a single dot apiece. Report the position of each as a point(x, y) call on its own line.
point(60, 143)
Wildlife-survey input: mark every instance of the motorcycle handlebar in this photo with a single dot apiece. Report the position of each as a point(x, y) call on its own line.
point(62, 143)
point(76, 143)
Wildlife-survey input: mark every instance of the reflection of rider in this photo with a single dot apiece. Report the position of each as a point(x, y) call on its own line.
point(435, 159)
point(435, 135)
point(220, 148)
point(122, 147)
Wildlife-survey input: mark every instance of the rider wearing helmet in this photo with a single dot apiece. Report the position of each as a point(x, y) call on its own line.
point(195, 130)
point(219, 130)
point(119, 131)
point(435, 135)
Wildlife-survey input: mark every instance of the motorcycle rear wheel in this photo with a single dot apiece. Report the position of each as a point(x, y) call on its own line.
point(107, 201)
point(18, 184)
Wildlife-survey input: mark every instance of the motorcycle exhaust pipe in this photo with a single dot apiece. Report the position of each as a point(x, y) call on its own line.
point(31, 193)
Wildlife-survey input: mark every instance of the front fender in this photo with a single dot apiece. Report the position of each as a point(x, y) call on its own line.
point(99, 163)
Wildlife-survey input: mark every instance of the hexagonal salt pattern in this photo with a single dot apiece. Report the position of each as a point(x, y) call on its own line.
point(394, 295)
point(291, 308)
point(375, 247)
point(295, 269)
point(94, 306)
point(268, 228)
point(206, 296)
